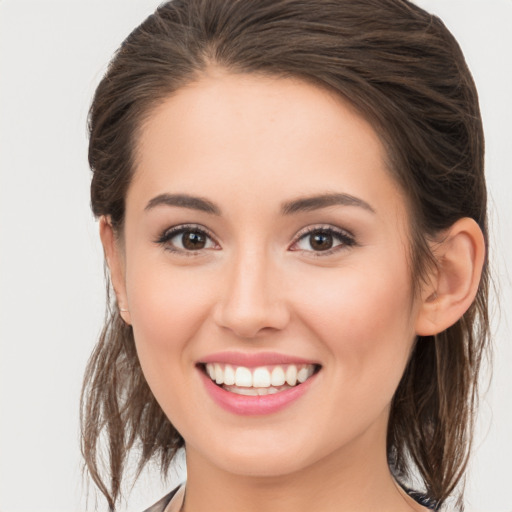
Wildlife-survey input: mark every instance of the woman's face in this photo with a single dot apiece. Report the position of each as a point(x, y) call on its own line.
point(264, 230)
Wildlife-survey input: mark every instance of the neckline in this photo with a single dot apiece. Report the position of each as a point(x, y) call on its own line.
point(176, 498)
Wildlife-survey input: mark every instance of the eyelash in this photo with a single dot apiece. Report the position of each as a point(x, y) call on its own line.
point(347, 240)
point(169, 234)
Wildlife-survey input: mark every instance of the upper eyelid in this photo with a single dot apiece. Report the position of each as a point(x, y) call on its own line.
point(319, 227)
point(176, 230)
point(191, 227)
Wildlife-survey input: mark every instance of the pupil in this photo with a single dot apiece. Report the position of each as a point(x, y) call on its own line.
point(193, 240)
point(321, 241)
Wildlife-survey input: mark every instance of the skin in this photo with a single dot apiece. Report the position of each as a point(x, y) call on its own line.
point(247, 144)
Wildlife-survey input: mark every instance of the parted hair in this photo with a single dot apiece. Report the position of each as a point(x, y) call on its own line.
point(401, 68)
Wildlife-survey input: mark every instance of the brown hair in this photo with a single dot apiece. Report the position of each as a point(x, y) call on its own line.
point(404, 71)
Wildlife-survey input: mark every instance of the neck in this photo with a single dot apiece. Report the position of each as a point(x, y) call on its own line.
point(355, 477)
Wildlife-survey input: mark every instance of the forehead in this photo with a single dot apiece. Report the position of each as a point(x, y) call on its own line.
point(243, 135)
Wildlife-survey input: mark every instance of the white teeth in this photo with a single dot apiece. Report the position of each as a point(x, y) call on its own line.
point(268, 379)
point(246, 391)
point(261, 378)
point(278, 378)
point(255, 391)
point(302, 375)
point(243, 377)
point(229, 375)
point(291, 375)
point(219, 374)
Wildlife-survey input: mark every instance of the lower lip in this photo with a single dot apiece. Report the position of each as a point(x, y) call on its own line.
point(254, 405)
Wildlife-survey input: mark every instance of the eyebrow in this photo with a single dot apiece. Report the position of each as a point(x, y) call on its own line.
point(184, 201)
point(306, 204)
point(301, 204)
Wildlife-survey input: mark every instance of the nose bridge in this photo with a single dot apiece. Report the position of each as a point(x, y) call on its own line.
point(252, 297)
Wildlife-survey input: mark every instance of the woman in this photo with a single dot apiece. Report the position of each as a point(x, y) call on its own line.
point(293, 211)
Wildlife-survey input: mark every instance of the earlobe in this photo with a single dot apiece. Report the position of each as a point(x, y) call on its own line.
point(460, 256)
point(115, 262)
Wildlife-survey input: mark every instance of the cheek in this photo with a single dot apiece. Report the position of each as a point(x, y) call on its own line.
point(365, 320)
point(167, 308)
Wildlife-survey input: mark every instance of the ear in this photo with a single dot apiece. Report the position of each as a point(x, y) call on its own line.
point(116, 264)
point(453, 284)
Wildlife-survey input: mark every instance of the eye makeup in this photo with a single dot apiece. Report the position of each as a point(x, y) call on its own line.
point(322, 240)
point(194, 238)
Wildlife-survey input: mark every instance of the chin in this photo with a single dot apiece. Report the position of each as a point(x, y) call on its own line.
point(263, 455)
point(262, 465)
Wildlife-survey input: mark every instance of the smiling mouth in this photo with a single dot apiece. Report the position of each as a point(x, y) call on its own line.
point(259, 381)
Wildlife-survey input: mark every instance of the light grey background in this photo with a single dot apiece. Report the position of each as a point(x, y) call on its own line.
point(52, 55)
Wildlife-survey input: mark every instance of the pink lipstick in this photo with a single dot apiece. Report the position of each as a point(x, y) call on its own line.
point(256, 384)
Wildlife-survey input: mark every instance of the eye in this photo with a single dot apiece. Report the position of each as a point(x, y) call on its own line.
point(326, 240)
point(186, 239)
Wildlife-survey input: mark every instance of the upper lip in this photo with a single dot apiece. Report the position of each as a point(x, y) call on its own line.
point(249, 360)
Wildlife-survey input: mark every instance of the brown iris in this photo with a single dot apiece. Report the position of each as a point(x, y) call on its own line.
point(321, 241)
point(193, 240)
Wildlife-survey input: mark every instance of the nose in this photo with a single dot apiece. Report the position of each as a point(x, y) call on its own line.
point(252, 297)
